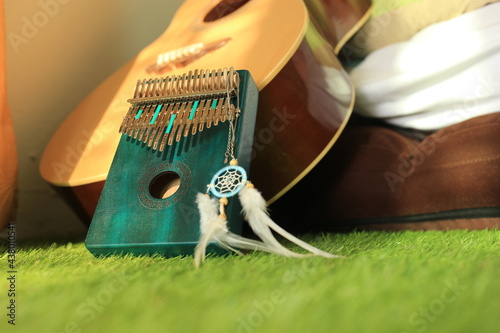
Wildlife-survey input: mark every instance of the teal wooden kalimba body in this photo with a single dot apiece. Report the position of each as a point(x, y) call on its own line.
point(174, 139)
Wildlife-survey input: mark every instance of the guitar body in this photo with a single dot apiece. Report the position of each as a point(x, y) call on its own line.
point(305, 96)
point(8, 154)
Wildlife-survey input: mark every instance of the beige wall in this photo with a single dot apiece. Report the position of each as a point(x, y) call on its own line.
point(57, 52)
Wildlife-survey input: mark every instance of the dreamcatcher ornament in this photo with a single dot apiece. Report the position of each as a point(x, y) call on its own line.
point(226, 183)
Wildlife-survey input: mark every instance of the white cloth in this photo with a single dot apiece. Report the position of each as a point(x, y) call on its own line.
point(447, 73)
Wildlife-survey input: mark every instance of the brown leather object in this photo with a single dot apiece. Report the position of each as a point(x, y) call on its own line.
point(8, 154)
point(375, 177)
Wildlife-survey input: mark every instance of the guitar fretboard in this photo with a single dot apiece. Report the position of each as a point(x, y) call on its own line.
point(164, 110)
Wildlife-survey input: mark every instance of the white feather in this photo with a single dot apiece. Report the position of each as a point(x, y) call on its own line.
point(255, 211)
point(211, 226)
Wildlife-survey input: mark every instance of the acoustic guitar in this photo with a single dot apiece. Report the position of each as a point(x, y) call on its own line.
point(8, 154)
point(305, 96)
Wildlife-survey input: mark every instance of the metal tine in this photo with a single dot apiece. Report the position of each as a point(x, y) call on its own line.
point(194, 121)
point(180, 86)
point(148, 86)
point(220, 78)
point(190, 121)
point(192, 83)
point(164, 135)
point(157, 83)
point(188, 82)
point(204, 111)
point(137, 88)
point(144, 127)
point(144, 88)
point(180, 83)
point(222, 85)
point(197, 118)
point(143, 122)
point(236, 82)
point(148, 89)
point(162, 124)
point(199, 82)
point(210, 113)
point(185, 85)
point(128, 116)
point(127, 119)
point(216, 85)
point(167, 136)
point(213, 80)
point(216, 77)
point(226, 77)
point(189, 88)
point(203, 115)
point(137, 125)
point(154, 88)
point(159, 88)
point(140, 92)
point(210, 84)
point(163, 86)
point(156, 125)
point(230, 76)
point(181, 123)
point(167, 90)
point(173, 85)
point(149, 126)
point(177, 83)
point(132, 123)
point(174, 112)
point(164, 83)
point(175, 124)
point(206, 81)
point(215, 116)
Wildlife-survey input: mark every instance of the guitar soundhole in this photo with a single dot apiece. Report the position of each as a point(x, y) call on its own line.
point(164, 185)
point(223, 8)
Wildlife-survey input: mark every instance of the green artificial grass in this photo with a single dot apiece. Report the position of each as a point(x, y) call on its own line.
point(387, 282)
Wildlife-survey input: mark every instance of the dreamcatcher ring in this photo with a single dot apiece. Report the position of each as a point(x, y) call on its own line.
point(228, 181)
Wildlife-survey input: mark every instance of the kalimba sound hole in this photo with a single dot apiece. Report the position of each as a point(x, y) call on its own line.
point(164, 185)
point(223, 8)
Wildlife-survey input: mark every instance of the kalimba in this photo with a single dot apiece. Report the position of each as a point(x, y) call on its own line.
point(177, 133)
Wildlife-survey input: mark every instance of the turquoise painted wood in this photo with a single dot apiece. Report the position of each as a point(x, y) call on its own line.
point(131, 218)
